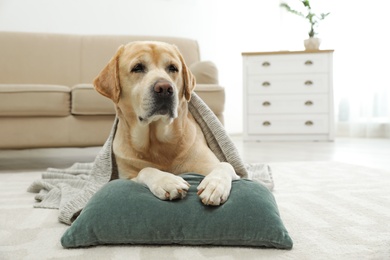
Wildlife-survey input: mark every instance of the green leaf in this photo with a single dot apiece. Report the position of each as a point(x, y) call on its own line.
point(311, 17)
point(289, 9)
point(324, 15)
point(306, 3)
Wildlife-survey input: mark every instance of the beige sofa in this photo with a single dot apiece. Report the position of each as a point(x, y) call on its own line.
point(46, 93)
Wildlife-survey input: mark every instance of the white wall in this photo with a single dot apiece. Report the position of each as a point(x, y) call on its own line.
point(224, 28)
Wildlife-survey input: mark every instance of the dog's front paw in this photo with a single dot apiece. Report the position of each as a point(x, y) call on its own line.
point(170, 187)
point(214, 190)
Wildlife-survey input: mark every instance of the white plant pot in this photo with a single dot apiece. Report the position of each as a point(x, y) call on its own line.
point(312, 43)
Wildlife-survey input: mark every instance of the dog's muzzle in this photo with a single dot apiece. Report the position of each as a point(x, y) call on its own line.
point(163, 100)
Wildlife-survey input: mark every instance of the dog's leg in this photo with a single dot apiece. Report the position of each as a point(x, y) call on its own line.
point(215, 187)
point(164, 185)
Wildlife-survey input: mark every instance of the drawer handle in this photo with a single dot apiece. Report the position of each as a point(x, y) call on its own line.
point(308, 63)
point(266, 84)
point(308, 82)
point(309, 123)
point(266, 64)
point(266, 103)
point(266, 123)
point(309, 103)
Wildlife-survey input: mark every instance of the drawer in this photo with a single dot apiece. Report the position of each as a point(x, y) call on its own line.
point(288, 124)
point(287, 83)
point(288, 104)
point(287, 63)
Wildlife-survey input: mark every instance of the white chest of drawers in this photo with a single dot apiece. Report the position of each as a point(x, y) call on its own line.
point(288, 96)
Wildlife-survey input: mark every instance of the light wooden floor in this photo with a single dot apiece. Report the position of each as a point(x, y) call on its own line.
point(368, 152)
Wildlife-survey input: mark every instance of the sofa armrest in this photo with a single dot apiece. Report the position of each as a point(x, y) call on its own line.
point(205, 72)
point(214, 97)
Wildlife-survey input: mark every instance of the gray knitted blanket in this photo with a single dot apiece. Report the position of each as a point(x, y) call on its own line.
point(70, 189)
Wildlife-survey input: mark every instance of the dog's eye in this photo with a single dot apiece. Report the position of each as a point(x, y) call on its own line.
point(172, 68)
point(138, 68)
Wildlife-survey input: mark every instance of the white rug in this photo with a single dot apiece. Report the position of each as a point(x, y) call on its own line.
point(331, 210)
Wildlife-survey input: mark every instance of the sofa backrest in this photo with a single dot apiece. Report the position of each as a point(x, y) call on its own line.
point(43, 58)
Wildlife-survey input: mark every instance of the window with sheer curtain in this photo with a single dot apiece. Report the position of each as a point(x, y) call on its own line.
point(359, 33)
point(361, 72)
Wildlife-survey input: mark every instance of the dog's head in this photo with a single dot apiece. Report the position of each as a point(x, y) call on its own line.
point(147, 81)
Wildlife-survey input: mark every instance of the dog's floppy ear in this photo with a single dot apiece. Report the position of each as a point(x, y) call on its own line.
point(188, 79)
point(107, 82)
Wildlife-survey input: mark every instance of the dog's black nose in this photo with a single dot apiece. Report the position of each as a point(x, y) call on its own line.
point(163, 88)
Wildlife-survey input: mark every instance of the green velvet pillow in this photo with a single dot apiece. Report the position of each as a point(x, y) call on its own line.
point(125, 212)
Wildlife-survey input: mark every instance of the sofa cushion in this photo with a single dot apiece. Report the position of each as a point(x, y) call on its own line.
point(97, 50)
point(39, 58)
point(34, 100)
point(87, 101)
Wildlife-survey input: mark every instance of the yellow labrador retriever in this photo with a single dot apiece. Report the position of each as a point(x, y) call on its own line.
point(157, 138)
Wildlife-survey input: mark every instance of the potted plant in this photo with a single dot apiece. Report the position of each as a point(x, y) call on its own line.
point(312, 43)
